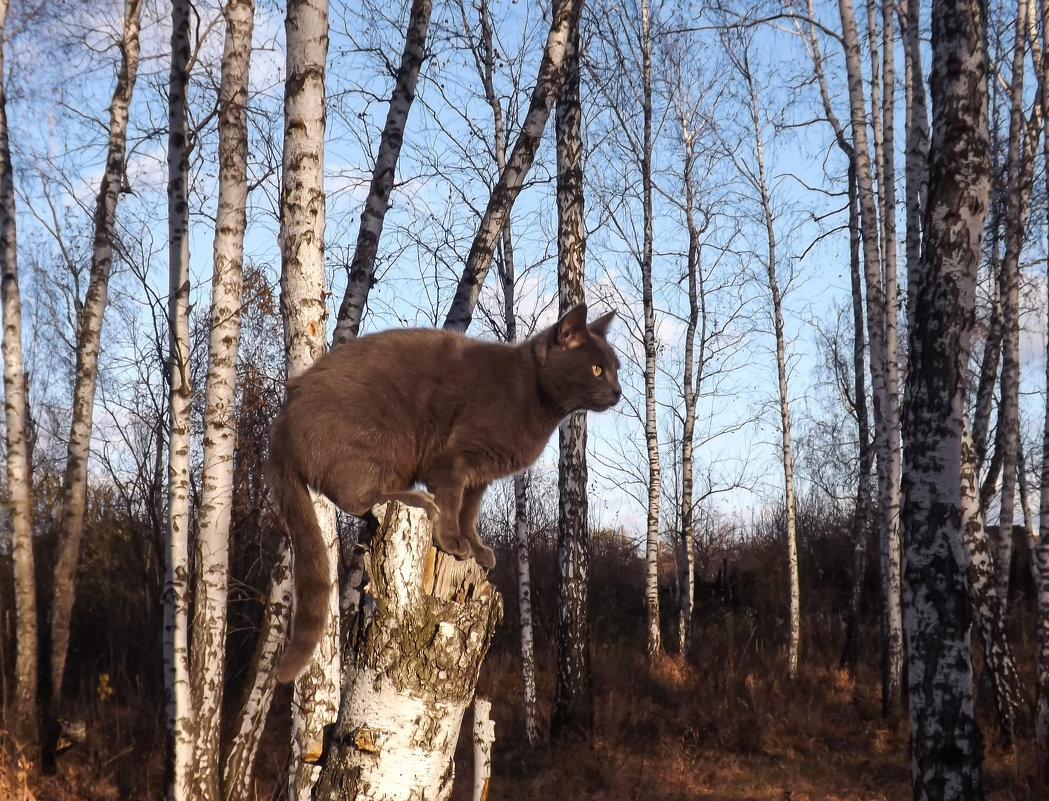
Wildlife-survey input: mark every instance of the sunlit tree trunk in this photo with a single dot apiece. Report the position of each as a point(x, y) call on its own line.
point(881, 305)
point(485, 58)
point(862, 512)
point(1041, 549)
point(759, 182)
point(302, 202)
point(524, 606)
point(945, 742)
point(415, 650)
point(1019, 183)
point(88, 342)
point(654, 645)
point(207, 669)
point(511, 179)
point(691, 380)
point(23, 719)
point(573, 713)
point(239, 768)
point(361, 271)
point(181, 719)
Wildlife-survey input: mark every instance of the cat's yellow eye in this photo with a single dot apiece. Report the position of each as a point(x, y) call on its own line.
point(598, 369)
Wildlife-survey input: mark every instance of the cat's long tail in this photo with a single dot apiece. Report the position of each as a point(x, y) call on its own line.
point(312, 584)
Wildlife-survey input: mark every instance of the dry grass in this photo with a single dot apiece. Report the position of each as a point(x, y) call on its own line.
point(727, 726)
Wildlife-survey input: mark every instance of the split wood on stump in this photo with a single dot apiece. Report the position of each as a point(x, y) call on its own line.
point(421, 629)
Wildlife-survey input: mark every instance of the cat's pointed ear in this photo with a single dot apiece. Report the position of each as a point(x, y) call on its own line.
point(570, 331)
point(600, 326)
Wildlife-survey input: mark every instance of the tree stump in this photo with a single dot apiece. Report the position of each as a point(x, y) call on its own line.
point(414, 649)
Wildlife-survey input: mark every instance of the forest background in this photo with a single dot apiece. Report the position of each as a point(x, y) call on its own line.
point(721, 144)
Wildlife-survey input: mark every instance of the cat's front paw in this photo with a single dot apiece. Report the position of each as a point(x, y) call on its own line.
point(450, 542)
point(484, 556)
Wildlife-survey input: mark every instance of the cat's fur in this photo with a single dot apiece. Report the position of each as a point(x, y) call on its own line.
point(386, 411)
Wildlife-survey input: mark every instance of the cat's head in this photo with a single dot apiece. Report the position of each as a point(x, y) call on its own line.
point(578, 369)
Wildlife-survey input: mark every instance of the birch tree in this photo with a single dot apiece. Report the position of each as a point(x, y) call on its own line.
point(220, 427)
point(863, 506)
point(23, 719)
point(1041, 550)
point(484, 60)
point(176, 589)
point(691, 379)
point(88, 344)
point(654, 642)
point(573, 713)
point(361, 271)
point(945, 742)
point(879, 270)
point(302, 206)
point(738, 47)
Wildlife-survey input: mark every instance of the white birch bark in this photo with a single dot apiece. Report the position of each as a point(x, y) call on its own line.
point(1041, 551)
point(691, 380)
point(917, 135)
point(239, 768)
point(945, 742)
point(850, 651)
point(220, 425)
point(759, 182)
point(524, 606)
point(302, 202)
point(176, 592)
point(511, 179)
point(88, 339)
point(654, 644)
point(23, 720)
point(484, 736)
point(573, 713)
point(484, 59)
point(417, 650)
point(880, 302)
point(361, 271)
point(1019, 183)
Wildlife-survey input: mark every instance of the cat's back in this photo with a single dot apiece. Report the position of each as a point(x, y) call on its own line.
point(407, 361)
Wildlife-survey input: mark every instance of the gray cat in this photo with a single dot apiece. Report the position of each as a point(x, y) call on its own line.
point(384, 412)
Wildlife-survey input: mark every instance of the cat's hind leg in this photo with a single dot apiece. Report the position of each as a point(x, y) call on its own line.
point(468, 526)
point(447, 488)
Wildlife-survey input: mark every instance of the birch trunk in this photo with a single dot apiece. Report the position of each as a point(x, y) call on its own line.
point(917, 136)
point(239, 767)
point(1019, 183)
point(207, 670)
point(861, 517)
point(945, 739)
point(484, 58)
point(654, 645)
point(302, 307)
point(23, 720)
point(1041, 552)
point(573, 713)
point(484, 736)
point(691, 380)
point(361, 272)
point(88, 339)
point(548, 83)
point(881, 301)
point(181, 720)
point(862, 513)
point(759, 183)
point(417, 646)
point(524, 607)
